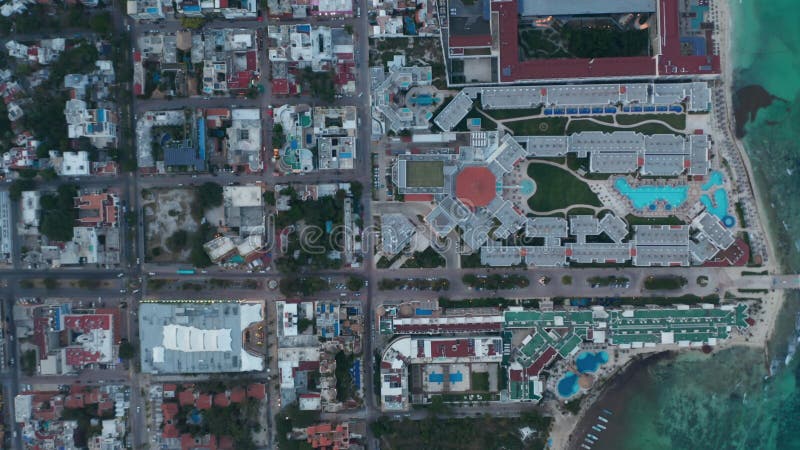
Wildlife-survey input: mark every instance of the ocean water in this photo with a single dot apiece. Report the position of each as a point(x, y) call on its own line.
point(695, 401)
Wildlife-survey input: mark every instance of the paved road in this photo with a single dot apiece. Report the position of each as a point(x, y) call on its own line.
point(768, 282)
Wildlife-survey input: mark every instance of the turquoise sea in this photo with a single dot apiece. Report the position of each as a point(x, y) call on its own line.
point(696, 401)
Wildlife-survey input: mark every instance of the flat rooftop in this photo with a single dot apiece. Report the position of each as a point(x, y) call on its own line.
point(670, 61)
point(196, 337)
point(584, 7)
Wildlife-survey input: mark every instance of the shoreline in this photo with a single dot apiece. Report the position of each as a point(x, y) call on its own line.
point(569, 429)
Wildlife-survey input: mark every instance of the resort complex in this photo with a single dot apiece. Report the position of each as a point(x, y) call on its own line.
point(446, 353)
point(366, 225)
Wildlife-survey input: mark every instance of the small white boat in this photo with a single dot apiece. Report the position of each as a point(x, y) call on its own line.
point(602, 419)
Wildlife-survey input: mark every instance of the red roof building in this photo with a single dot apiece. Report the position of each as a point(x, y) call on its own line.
point(203, 401)
point(238, 394)
point(669, 62)
point(325, 436)
point(257, 391)
point(221, 400)
point(186, 398)
point(476, 186)
point(97, 210)
point(280, 86)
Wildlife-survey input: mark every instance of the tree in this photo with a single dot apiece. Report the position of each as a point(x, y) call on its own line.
point(278, 138)
point(29, 362)
point(437, 406)
point(178, 241)
point(192, 23)
point(18, 186)
point(127, 350)
point(209, 195)
point(101, 23)
point(48, 174)
point(50, 283)
point(355, 283)
point(348, 28)
point(269, 198)
point(27, 173)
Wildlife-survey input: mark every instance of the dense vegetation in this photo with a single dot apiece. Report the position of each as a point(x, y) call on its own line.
point(665, 282)
point(597, 42)
point(318, 228)
point(239, 421)
point(344, 380)
point(495, 281)
point(437, 284)
point(485, 432)
point(302, 285)
point(59, 213)
point(426, 259)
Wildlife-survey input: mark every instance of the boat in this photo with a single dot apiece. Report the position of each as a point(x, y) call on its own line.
point(602, 427)
point(596, 428)
point(592, 436)
point(602, 419)
point(608, 412)
point(774, 366)
point(585, 446)
point(790, 351)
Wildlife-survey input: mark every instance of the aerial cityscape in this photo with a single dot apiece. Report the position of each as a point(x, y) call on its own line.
point(385, 224)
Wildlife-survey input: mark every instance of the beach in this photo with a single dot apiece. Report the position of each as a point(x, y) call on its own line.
point(687, 399)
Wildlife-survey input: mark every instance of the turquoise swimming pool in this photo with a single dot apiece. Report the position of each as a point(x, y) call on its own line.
point(568, 385)
point(648, 197)
point(715, 179)
point(719, 207)
point(527, 187)
point(588, 362)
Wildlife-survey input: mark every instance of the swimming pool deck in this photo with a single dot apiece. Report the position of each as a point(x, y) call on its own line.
point(562, 333)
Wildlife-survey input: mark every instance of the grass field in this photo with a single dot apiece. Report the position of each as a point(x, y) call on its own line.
point(636, 220)
point(479, 381)
point(674, 120)
point(502, 114)
point(558, 189)
point(546, 126)
point(578, 125)
point(424, 173)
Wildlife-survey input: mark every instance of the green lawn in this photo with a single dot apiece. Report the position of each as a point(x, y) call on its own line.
point(545, 126)
point(479, 381)
point(664, 283)
point(636, 220)
point(558, 189)
point(576, 126)
point(502, 114)
point(424, 173)
point(427, 259)
point(486, 124)
point(674, 120)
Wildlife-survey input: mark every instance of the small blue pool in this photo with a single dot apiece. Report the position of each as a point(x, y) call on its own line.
point(195, 418)
point(439, 377)
point(588, 362)
point(423, 100)
point(568, 385)
point(715, 179)
point(648, 197)
point(719, 207)
point(527, 187)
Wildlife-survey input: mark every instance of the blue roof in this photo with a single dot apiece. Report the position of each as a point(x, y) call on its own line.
point(201, 138)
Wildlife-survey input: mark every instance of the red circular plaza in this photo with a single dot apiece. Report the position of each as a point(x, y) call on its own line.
point(475, 186)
